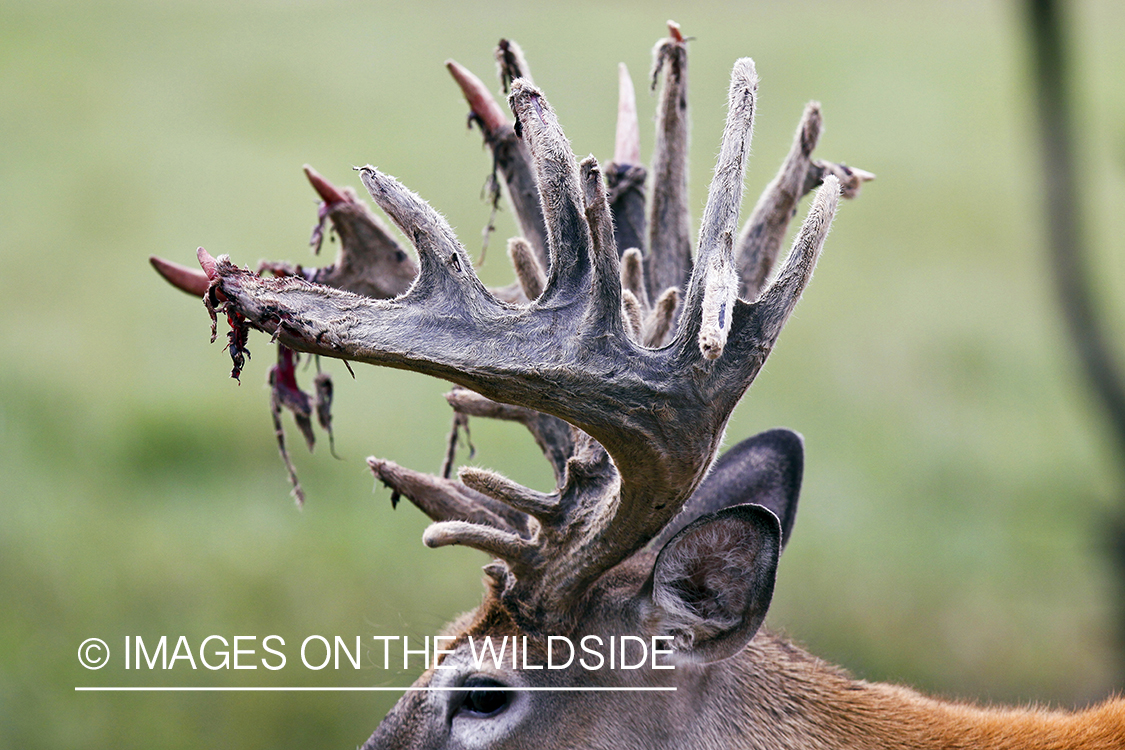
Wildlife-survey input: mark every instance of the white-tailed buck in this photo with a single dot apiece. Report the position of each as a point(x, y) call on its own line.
point(624, 354)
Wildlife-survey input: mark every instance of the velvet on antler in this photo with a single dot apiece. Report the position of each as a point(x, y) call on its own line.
point(626, 394)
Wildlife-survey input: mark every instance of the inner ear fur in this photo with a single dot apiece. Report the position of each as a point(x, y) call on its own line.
point(712, 583)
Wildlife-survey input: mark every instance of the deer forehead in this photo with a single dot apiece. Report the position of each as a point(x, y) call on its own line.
point(612, 603)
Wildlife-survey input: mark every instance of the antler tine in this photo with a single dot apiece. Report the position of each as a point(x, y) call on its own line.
point(553, 436)
point(625, 175)
point(714, 285)
point(538, 505)
point(851, 178)
point(189, 280)
point(777, 302)
point(756, 326)
point(633, 316)
point(529, 273)
point(560, 194)
point(484, 107)
point(669, 232)
point(486, 505)
point(325, 189)
point(659, 321)
point(510, 156)
point(446, 499)
point(370, 260)
point(444, 262)
point(632, 275)
point(518, 552)
point(607, 273)
point(760, 239)
point(627, 143)
point(511, 63)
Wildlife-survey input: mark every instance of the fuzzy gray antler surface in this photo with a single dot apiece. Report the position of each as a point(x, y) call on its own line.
point(649, 386)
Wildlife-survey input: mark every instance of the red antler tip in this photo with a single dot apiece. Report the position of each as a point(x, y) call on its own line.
point(186, 279)
point(480, 100)
point(325, 189)
point(207, 263)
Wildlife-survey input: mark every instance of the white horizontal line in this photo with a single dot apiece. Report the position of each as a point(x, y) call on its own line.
point(165, 689)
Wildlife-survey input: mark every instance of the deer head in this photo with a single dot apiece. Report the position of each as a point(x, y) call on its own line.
point(624, 354)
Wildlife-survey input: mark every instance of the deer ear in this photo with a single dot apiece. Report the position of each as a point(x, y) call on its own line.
point(764, 469)
point(712, 583)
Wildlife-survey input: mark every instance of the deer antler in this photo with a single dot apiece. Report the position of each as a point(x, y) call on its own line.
point(659, 413)
point(669, 240)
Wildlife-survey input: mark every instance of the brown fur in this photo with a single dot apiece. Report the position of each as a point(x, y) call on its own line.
point(776, 695)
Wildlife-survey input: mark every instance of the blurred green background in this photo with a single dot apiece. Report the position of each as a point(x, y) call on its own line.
point(958, 479)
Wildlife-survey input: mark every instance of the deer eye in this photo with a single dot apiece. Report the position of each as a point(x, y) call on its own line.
point(484, 697)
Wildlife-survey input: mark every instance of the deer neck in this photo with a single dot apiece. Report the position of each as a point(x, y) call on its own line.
point(788, 698)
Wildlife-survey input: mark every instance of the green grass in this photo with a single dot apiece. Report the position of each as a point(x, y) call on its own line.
point(958, 475)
